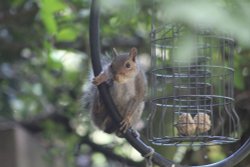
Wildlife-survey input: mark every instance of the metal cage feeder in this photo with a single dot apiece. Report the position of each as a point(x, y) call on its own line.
point(192, 87)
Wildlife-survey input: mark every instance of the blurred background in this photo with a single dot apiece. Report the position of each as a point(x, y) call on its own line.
point(45, 67)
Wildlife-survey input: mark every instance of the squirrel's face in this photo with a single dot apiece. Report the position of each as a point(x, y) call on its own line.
point(124, 66)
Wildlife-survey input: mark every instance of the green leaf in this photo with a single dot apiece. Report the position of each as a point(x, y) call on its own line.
point(49, 22)
point(67, 34)
point(216, 153)
point(52, 6)
point(48, 9)
point(239, 80)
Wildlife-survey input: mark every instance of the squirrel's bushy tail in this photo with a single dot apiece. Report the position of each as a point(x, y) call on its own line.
point(92, 103)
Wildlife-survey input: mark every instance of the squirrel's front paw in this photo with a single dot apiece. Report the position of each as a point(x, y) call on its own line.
point(97, 81)
point(125, 124)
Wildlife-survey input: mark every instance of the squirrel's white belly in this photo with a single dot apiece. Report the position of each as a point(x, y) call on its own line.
point(123, 93)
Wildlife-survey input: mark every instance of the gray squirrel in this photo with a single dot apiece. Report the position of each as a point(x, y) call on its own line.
point(127, 86)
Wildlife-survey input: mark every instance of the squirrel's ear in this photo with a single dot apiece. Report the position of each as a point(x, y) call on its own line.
point(115, 52)
point(133, 53)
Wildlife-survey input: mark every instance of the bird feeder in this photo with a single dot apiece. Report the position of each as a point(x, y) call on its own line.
point(192, 98)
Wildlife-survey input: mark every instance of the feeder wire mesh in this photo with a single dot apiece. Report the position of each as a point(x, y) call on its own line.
point(192, 87)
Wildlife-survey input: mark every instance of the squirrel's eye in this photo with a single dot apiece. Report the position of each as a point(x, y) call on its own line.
point(127, 65)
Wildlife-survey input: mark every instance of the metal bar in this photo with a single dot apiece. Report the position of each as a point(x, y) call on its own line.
point(136, 142)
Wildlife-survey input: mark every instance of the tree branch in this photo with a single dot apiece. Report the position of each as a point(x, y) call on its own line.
point(34, 124)
point(22, 16)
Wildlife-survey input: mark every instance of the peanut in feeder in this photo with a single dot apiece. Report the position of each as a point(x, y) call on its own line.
point(186, 124)
point(203, 122)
